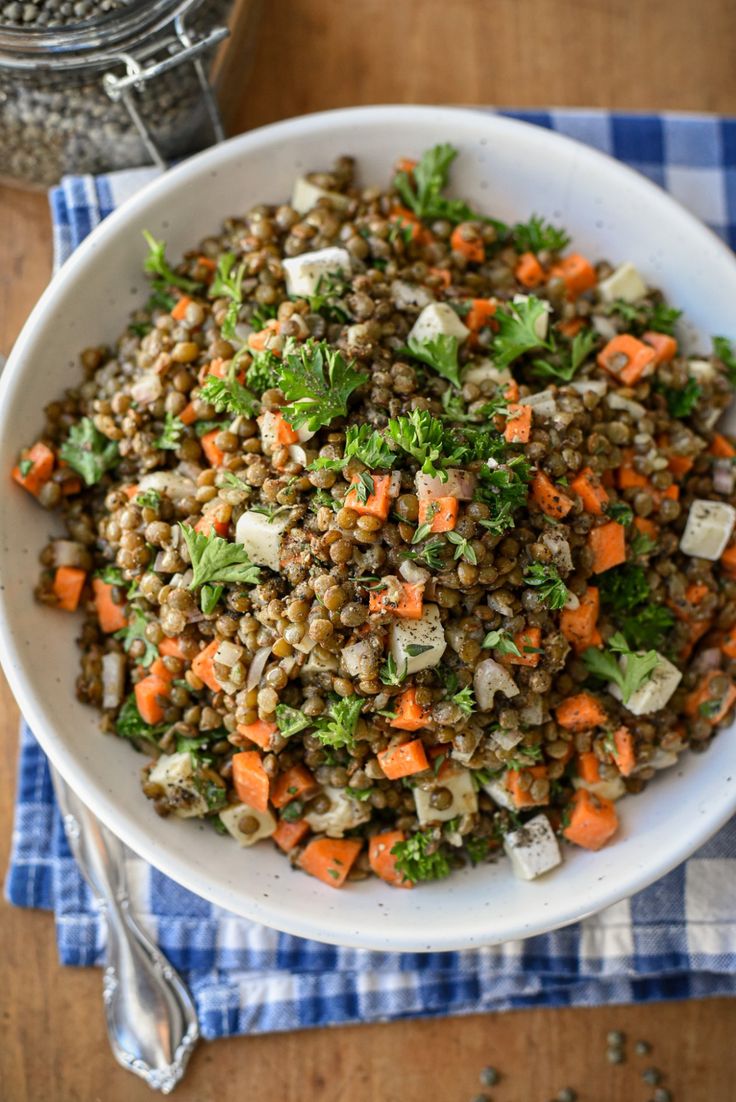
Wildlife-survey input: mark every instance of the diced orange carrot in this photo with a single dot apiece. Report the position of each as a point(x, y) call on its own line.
point(511, 392)
point(405, 218)
point(188, 415)
point(442, 511)
point(591, 491)
point(159, 669)
point(480, 313)
point(528, 642)
point(592, 821)
point(207, 524)
point(37, 475)
point(672, 492)
point(577, 273)
point(696, 629)
point(680, 464)
point(703, 703)
point(624, 752)
point(608, 544)
point(68, 585)
point(203, 666)
point(466, 240)
point(628, 478)
point(627, 359)
point(250, 779)
point(721, 446)
point(581, 712)
point(528, 271)
point(288, 835)
point(409, 606)
point(149, 692)
point(403, 760)
point(180, 310)
point(215, 456)
point(258, 341)
point(549, 497)
point(376, 504)
point(443, 275)
point(171, 648)
point(383, 860)
point(70, 485)
point(571, 328)
point(665, 347)
point(728, 645)
point(728, 559)
point(330, 859)
point(406, 164)
point(285, 434)
point(130, 490)
point(646, 527)
point(111, 616)
point(292, 784)
point(519, 424)
point(588, 768)
point(215, 367)
point(207, 262)
point(578, 625)
point(410, 716)
point(259, 732)
point(522, 797)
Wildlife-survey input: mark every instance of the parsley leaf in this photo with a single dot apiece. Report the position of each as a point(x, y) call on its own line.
point(426, 440)
point(316, 382)
point(88, 452)
point(723, 350)
point(337, 727)
point(517, 330)
point(463, 548)
point(623, 587)
point(262, 314)
point(501, 641)
point(135, 630)
point(681, 401)
point(25, 467)
point(477, 849)
point(230, 395)
point(290, 720)
point(130, 723)
point(364, 487)
point(362, 442)
point(465, 700)
point(228, 284)
point(209, 597)
point(644, 316)
point(548, 583)
point(649, 627)
point(421, 190)
point(171, 433)
point(636, 671)
point(439, 353)
point(662, 318)
point(157, 264)
point(620, 512)
point(263, 373)
point(570, 361)
point(504, 489)
point(642, 544)
point(419, 858)
point(536, 236)
point(390, 674)
point(148, 499)
point(217, 560)
point(358, 793)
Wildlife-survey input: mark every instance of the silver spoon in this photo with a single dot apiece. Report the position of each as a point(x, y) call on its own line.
point(151, 1018)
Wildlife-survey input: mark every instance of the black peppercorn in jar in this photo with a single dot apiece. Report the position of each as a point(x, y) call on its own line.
point(96, 85)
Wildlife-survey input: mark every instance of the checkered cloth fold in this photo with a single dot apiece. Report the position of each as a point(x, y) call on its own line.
point(676, 939)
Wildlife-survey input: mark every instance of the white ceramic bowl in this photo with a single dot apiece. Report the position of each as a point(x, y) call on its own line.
point(510, 170)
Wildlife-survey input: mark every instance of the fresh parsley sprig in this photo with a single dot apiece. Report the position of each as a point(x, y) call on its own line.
point(465, 700)
point(420, 858)
point(364, 443)
point(630, 675)
point(439, 353)
point(421, 190)
point(290, 720)
point(548, 583)
point(217, 561)
point(566, 362)
point(681, 401)
point(171, 434)
point(88, 452)
point(504, 489)
point(536, 236)
point(337, 727)
point(517, 330)
point(229, 395)
point(316, 382)
point(135, 631)
point(228, 283)
point(263, 372)
point(427, 440)
point(129, 723)
point(157, 264)
point(391, 674)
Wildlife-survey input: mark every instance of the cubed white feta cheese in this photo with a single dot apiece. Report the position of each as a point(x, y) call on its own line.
point(500, 794)
point(306, 195)
point(262, 536)
point(656, 690)
point(703, 371)
point(232, 817)
point(438, 319)
point(343, 814)
point(304, 272)
point(533, 849)
point(175, 774)
point(464, 798)
point(625, 284)
point(410, 295)
point(708, 530)
point(405, 635)
point(541, 326)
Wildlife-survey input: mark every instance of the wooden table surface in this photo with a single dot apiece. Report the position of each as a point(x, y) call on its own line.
point(310, 55)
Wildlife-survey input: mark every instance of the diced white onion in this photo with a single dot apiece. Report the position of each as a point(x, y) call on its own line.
point(113, 679)
point(617, 401)
point(491, 678)
point(256, 668)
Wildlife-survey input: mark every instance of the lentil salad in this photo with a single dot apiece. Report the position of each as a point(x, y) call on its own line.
point(403, 535)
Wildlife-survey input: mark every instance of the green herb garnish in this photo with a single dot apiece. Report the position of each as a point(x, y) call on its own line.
point(419, 858)
point(290, 720)
point(337, 727)
point(567, 362)
point(316, 382)
point(501, 641)
point(171, 433)
point(229, 284)
point(536, 236)
point(463, 548)
point(157, 264)
point(230, 395)
point(217, 560)
point(548, 583)
point(135, 630)
point(517, 330)
point(88, 452)
point(130, 723)
point(638, 667)
point(439, 353)
point(421, 190)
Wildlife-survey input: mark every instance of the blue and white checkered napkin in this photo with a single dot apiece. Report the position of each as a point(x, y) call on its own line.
point(674, 940)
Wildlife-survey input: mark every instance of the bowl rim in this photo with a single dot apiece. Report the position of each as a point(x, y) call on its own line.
point(604, 893)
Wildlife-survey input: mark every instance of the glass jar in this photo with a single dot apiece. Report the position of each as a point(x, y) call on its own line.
point(122, 89)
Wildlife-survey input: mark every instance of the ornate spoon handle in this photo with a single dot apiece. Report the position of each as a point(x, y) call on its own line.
point(151, 1018)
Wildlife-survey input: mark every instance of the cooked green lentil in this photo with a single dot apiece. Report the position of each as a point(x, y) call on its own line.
point(348, 535)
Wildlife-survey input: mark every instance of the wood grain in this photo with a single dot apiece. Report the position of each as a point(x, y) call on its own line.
point(311, 55)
